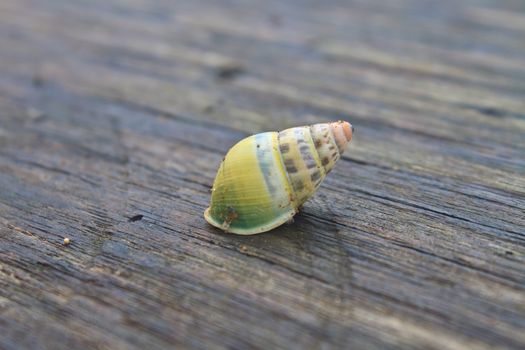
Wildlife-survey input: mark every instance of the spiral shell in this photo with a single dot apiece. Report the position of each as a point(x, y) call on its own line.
point(265, 178)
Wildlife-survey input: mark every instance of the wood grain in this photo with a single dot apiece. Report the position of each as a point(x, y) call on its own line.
point(114, 117)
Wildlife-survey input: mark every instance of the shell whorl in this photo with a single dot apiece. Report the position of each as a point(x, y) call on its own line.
point(309, 153)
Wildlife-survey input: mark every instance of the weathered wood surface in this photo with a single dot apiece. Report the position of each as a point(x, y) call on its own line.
point(114, 117)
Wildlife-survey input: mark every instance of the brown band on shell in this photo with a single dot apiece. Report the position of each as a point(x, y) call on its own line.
point(284, 148)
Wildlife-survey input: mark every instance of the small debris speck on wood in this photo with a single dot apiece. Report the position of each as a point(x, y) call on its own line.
point(229, 70)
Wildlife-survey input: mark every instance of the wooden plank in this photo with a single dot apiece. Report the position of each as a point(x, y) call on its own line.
point(115, 116)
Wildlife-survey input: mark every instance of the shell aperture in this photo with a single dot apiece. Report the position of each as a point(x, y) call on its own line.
point(265, 178)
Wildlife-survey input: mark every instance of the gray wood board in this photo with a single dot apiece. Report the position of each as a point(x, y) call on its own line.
point(114, 117)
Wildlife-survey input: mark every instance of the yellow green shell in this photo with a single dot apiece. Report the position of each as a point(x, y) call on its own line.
point(265, 178)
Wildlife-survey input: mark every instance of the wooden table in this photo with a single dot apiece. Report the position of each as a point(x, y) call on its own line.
point(114, 116)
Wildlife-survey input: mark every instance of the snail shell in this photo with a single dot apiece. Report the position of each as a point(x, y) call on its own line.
point(265, 178)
